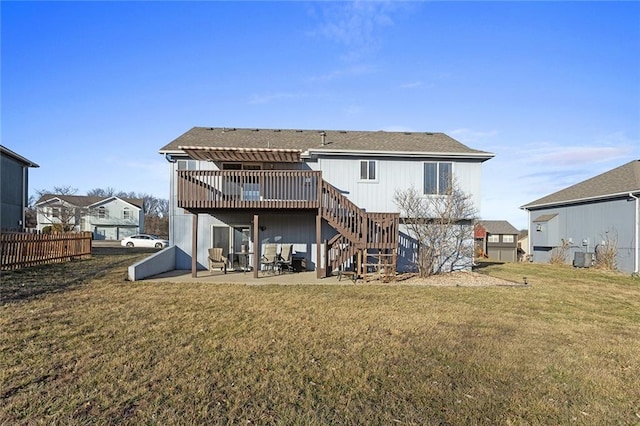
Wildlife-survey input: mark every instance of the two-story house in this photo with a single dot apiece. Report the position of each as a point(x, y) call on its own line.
point(14, 183)
point(497, 239)
point(108, 218)
point(329, 193)
point(597, 214)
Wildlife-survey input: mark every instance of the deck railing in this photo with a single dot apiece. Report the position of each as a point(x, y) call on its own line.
point(364, 229)
point(216, 189)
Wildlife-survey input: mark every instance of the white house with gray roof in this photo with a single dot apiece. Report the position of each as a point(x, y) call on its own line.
point(589, 215)
point(108, 218)
point(329, 193)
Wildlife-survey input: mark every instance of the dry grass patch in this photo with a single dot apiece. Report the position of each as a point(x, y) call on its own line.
point(564, 349)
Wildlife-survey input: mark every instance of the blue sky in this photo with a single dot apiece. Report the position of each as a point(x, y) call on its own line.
point(92, 90)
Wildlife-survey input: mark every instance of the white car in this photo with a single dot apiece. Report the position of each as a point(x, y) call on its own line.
point(144, 240)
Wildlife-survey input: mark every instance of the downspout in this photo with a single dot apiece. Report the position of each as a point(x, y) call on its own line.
point(530, 237)
point(637, 227)
point(171, 160)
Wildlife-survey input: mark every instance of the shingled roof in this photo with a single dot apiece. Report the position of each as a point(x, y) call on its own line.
point(85, 200)
point(6, 151)
point(497, 227)
point(323, 141)
point(614, 183)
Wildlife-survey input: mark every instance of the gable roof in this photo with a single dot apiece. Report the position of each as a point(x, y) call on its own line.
point(498, 227)
point(545, 217)
point(614, 183)
point(308, 142)
point(86, 201)
point(19, 158)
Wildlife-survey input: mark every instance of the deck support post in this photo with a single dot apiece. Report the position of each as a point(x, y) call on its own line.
point(319, 268)
point(256, 245)
point(194, 246)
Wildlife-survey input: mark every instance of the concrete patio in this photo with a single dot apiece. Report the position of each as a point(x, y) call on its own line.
point(239, 277)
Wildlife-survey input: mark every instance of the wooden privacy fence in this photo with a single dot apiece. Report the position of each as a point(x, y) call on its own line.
point(18, 250)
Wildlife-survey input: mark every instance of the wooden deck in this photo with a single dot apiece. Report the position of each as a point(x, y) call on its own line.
point(248, 189)
point(360, 235)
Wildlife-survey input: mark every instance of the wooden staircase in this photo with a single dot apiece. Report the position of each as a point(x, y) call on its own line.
point(366, 242)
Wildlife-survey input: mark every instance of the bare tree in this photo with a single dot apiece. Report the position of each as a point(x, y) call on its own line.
point(607, 252)
point(30, 214)
point(560, 253)
point(441, 225)
point(99, 192)
point(62, 215)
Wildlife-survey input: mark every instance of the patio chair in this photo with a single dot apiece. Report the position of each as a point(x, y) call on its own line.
point(269, 257)
point(285, 257)
point(217, 260)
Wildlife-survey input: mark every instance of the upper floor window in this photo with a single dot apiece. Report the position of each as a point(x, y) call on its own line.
point(102, 212)
point(55, 211)
point(186, 164)
point(493, 238)
point(126, 213)
point(367, 170)
point(437, 178)
point(507, 238)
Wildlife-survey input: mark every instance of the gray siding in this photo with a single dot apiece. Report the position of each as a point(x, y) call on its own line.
point(392, 174)
point(279, 227)
point(586, 226)
point(299, 227)
point(13, 192)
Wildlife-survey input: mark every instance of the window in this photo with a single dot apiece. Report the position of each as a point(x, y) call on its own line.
point(437, 178)
point(493, 238)
point(55, 211)
point(186, 164)
point(507, 238)
point(102, 212)
point(367, 170)
point(126, 213)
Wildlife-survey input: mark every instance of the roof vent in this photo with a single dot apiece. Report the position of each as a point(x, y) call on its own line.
point(323, 137)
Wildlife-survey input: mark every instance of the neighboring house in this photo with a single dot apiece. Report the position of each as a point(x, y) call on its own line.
point(497, 239)
point(589, 215)
point(108, 218)
point(14, 189)
point(317, 190)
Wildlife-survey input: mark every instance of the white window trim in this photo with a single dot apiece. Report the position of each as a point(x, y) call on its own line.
point(377, 171)
point(437, 163)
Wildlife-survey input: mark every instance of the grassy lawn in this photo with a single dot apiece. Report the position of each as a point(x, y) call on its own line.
point(80, 345)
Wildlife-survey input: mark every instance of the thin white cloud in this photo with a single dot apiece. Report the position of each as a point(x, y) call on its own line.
point(356, 25)
point(562, 156)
